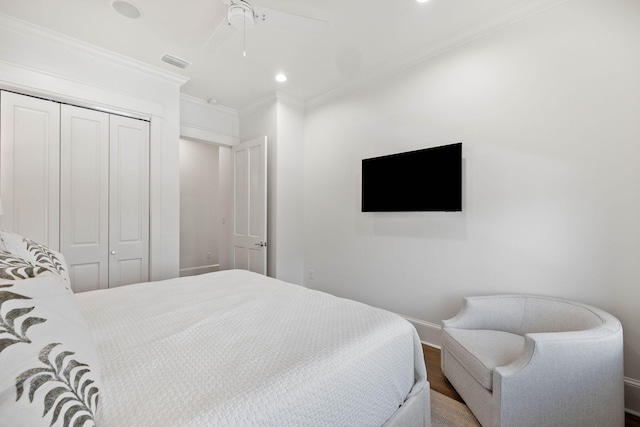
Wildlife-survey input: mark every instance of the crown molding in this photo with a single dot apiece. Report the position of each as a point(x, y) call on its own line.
point(509, 17)
point(40, 33)
point(26, 80)
point(263, 101)
point(204, 104)
point(270, 98)
point(289, 100)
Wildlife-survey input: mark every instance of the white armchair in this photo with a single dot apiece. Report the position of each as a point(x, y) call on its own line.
point(520, 360)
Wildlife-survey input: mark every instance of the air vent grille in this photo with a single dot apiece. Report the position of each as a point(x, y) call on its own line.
point(177, 62)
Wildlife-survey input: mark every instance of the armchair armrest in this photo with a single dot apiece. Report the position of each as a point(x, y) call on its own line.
point(500, 313)
point(564, 367)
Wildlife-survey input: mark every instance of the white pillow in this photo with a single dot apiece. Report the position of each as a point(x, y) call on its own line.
point(36, 253)
point(48, 361)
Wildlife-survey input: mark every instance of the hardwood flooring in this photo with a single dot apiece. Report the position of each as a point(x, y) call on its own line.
point(439, 382)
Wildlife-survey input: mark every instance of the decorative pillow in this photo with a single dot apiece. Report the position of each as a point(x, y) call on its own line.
point(49, 373)
point(13, 267)
point(36, 253)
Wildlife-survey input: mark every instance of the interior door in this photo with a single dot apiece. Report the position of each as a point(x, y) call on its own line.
point(30, 167)
point(128, 201)
point(84, 196)
point(249, 235)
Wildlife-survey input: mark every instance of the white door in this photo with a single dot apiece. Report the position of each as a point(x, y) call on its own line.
point(30, 167)
point(84, 196)
point(128, 201)
point(249, 236)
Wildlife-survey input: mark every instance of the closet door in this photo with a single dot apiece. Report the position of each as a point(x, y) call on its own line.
point(30, 167)
point(84, 196)
point(128, 201)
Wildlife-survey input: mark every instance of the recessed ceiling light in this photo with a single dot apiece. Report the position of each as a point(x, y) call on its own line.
point(422, 1)
point(281, 77)
point(126, 9)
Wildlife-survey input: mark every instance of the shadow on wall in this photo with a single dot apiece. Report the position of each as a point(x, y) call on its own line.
point(418, 225)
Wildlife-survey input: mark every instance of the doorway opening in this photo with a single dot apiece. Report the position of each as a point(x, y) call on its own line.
point(201, 212)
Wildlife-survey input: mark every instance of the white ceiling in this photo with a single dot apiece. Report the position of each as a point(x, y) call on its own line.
point(366, 38)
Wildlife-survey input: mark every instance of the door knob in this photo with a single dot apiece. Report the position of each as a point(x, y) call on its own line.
point(113, 252)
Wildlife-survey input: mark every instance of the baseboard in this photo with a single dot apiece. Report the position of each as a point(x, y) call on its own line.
point(194, 271)
point(429, 333)
point(632, 396)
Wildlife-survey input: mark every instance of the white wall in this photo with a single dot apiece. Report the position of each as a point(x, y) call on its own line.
point(290, 176)
point(548, 113)
point(206, 122)
point(199, 208)
point(37, 62)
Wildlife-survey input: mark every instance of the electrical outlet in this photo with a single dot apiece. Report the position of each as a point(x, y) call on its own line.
point(208, 255)
point(310, 274)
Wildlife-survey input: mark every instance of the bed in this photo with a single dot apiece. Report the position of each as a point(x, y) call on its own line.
point(231, 348)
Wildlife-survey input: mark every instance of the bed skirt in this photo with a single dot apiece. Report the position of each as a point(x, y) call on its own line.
point(415, 411)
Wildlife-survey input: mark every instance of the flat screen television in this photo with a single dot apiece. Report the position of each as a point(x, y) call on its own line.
point(415, 181)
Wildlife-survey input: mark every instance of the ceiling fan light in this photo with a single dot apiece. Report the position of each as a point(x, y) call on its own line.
point(281, 77)
point(240, 15)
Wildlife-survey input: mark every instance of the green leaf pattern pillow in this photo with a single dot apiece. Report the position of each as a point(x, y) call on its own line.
point(49, 373)
point(36, 254)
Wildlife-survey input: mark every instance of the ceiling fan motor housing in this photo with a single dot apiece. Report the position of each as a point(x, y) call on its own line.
point(240, 15)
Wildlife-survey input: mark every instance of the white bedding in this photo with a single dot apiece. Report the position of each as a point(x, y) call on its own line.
point(234, 348)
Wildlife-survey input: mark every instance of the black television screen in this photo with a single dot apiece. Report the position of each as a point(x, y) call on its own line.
point(422, 180)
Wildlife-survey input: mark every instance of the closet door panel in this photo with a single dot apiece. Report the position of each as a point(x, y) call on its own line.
point(84, 196)
point(30, 167)
point(129, 201)
point(86, 277)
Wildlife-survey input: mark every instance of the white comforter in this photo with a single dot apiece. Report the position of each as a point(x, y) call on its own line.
point(235, 348)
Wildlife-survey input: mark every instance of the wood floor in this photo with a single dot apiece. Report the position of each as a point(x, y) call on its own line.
point(440, 384)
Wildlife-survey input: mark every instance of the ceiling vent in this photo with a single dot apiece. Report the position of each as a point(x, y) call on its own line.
point(180, 63)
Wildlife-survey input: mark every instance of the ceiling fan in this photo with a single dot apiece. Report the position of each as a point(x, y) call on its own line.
point(242, 16)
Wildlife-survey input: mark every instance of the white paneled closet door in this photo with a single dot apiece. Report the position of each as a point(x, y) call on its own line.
point(128, 201)
point(77, 180)
point(30, 167)
point(104, 210)
point(84, 196)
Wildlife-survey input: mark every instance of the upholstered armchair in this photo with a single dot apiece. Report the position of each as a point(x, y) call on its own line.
point(520, 360)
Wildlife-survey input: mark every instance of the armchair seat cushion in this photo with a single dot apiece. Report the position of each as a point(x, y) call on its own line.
point(480, 351)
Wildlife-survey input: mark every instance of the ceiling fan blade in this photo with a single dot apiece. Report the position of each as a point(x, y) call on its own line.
point(219, 36)
point(289, 21)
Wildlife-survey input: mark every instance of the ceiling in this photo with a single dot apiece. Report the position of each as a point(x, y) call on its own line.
point(365, 38)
